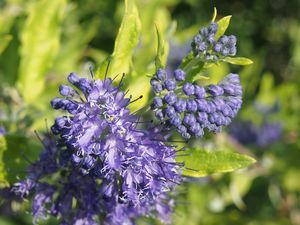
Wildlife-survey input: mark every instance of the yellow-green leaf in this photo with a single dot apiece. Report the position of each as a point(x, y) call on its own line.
point(139, 85)
point(3, 181)
point(222, 26)
point(161, 56)
point(125, 43)
point(238, 60)
point(39, 45)
point(199, 163)
point(186, 60)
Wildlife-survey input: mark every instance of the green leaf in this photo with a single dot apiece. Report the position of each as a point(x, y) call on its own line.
point(214, 15)
point(199, 163)
point(222, 26)
point(39, 46)
point(238, 60)
point(73, 46)
point(3, 181)
point(186, 60)
point(125, 43)
point(139, 85)
point(161, 56)
point(192, 66)
point(267, 94)
point(4, 41)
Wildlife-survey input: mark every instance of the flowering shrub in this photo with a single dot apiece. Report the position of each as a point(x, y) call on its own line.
point(104, 163)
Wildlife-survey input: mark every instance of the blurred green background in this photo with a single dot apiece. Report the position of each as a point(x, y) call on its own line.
point(41, 42)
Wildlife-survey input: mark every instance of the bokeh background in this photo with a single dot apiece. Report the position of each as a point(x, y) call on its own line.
point(41, 42)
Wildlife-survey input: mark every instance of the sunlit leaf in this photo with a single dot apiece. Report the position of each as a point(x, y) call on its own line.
point(199, 163)
point(126, 41)
point(238, 60)
point(161, 56)
point(222, 26)
point(76, 36)
point(151, 14)
point(40, 44)
point(139, 86)
point(3, 181)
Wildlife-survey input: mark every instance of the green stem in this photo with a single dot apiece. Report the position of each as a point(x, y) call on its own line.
point(193, 68)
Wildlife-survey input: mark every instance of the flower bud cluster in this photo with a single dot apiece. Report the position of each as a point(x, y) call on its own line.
point(226, 45)
point(205, 39)
point(205, 44)
point(191, 108)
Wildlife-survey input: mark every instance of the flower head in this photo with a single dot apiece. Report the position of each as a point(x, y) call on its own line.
point(205, 39)
point(106, 162)
point(206, 45)
point(190, 108)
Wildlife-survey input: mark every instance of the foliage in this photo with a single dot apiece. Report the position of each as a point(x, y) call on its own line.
point(200, 163)
point(3, 181)
point(39, 46)
point(127, 39)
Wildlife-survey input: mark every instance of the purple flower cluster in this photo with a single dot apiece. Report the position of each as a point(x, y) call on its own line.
point(190, 107)
point(56, 199)
point(46, 165)
point(226, 45)
point(247, 133)
point(114, 170)
point(205, 39)
point(205, 44)
point(268, 134)
point(2, 131)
